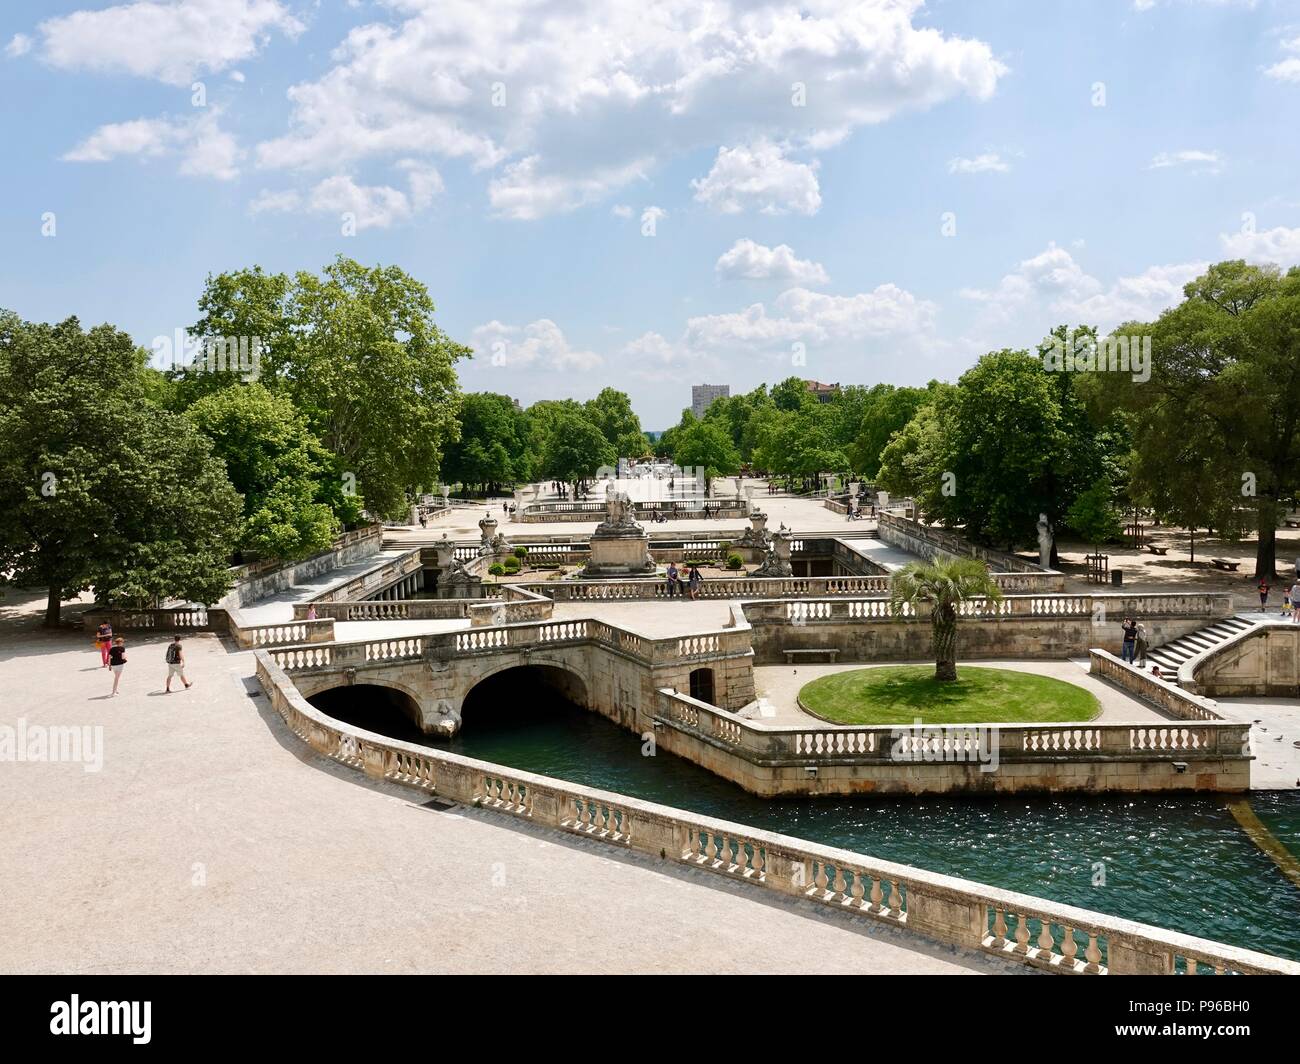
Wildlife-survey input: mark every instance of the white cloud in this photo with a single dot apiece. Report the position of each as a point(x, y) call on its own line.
point(1280, 245)
point(759, 177)
point(206, 149)
point(1211, 161)
point(270, 202)
point(540, 344)
point(1051, 288)
point(19, 44)
point(814, 317)
point(569, 103)
point(748, 260)
point(621, 210)
point(989, 162)
point(524, 192)
point(371, 206)
point(171, 41)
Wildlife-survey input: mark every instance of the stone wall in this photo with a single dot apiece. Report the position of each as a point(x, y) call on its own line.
point(251, 585)
point(1264, 661)
point(929, 543)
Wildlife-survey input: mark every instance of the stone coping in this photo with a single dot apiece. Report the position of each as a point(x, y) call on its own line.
point(952, 910)
point(1161, 693)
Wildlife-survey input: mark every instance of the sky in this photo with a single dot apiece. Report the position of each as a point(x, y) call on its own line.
point(655, 195)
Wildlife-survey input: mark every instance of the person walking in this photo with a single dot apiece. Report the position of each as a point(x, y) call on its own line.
point(1295, 602)
point(1130, 640)
point(104, 640)
point(672, 579)
point(117, 662)
point(693, 582)
point(175, 665)
point(1263, 595)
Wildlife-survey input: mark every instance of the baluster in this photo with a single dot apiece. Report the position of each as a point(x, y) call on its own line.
point(1000, 929)
point(820, 878)
point(1092, 955)
point(876, 896)
point(895, 899)
point(1068, 948)
point(1046, 942)
point(1191, 965)
point(839, 886)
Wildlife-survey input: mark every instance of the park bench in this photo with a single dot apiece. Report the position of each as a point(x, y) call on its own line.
point(1224, 564)
point(1162, 551)
point(1293, 522)
point(791, 655)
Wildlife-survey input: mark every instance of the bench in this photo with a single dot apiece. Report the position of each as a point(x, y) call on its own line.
point(1224, 564)
point(790, 655)
point(1293, 522)
point(1162, 551)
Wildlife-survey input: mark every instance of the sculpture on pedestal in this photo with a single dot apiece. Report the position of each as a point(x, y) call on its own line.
point(492, 541)
point(757, 535)
point(619, 545)
point(1044, 541)
point(776, 562)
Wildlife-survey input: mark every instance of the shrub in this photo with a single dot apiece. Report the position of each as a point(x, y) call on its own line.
point(521, 553)
point(734, 561)
point(511, 565)
point(496, 569)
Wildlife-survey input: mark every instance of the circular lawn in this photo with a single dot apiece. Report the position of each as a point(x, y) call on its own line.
point(900, 694)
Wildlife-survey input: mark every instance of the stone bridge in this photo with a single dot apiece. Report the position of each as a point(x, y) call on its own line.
point(594, 664)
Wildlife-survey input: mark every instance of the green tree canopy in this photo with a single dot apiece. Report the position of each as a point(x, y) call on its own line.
point(98, 487)
point(706, 448)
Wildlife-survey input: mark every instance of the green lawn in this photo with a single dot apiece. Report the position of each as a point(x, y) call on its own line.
point(899, 694)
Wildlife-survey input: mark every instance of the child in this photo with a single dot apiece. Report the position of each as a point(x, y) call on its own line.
point(117, 662)
point(1287, 606)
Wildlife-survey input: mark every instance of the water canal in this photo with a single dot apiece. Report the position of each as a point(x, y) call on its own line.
point(1180, 863)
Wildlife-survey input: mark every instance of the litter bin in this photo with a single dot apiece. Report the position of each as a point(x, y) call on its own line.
point(1117, 577)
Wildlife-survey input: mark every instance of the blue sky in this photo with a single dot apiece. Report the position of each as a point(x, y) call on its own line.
point(795, 163)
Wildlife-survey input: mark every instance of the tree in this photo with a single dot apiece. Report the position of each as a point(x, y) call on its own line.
point(1224, 382)
point(611, 412)
point(492, 443)
point(98, 487)
point(575, 450)
point(707, 449)
point(944, 584)
point(359, 353)
point(276, 464)
point(886, 411)
point(1094, 514)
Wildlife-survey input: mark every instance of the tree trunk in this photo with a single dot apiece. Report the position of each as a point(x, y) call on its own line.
point(1193, 546)
point(1266, 550)
point(944, 625)
point(52, 607)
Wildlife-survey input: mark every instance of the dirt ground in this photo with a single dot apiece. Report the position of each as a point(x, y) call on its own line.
point(1144, 571)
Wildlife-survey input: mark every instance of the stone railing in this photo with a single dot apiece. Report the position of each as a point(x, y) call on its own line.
point(1100, 607)
point(289, 633)
point(918, 539)
point(706, 646)
point(517, 605)
point(257, 581)
point(176, 619)
point(1168, 696)
point(373, 579)
point(761, 587)
point(1002, 744)
point(729, 509)
point(1263, 661)
point(1017, 928)
point(394, 610)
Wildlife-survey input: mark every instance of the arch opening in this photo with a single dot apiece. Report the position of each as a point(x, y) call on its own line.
point(374, 707)
point(523, 694)
point(701, 686)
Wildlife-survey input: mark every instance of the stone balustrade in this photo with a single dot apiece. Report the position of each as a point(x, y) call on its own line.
point(929, 543)
point(998, 744)
point(379, 577)
point(290, 633)
point(516, 606)
point(392, 610)
point(1166, 695)
point(1018, 928)
point(175, 619)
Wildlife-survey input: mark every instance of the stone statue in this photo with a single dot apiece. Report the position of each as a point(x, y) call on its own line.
point(620, 515)
point(757, 535)
point(1044, 541)
point(491, 541)
point(776, 562)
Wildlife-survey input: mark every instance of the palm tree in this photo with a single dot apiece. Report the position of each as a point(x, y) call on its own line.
point(945, 584)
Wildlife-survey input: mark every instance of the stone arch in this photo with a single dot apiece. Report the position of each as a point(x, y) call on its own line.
point(396, 696)
point(559, 676)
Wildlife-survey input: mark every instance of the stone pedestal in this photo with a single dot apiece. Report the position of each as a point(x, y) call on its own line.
point(619, 546)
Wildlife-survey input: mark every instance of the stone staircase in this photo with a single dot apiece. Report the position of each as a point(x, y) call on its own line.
point(1169, 656)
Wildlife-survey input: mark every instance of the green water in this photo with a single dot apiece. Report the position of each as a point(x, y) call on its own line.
point(1179, 863)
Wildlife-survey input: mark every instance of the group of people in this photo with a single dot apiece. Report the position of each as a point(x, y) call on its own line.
point(112, 653)
point(1134, 647)
point(688, 585)
point(1290, 597)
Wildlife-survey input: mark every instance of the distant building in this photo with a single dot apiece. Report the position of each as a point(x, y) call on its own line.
point(823, 393)
point(703, 395)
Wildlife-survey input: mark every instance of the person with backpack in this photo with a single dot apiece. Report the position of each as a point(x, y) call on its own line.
point(117, 662)
point(104, 640)
point(175, 665)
